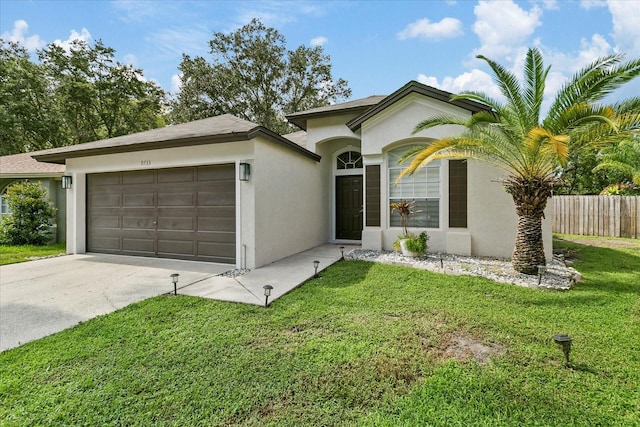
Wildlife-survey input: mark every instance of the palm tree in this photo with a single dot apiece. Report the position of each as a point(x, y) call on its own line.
point(622, 163)
point(530, 149)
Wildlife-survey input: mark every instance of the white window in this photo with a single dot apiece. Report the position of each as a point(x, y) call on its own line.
point(4, 206)
point(423, 187)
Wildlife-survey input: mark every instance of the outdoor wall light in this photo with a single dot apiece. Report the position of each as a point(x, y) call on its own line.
point(267, 293)
point(541, 271)
point(342, 253)
point(245, 171)
point(174, 279)
point(564, 343)
point(316, 263)
point(66, 182)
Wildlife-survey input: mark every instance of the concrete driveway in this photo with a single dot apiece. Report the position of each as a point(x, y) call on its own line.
point(38, 298)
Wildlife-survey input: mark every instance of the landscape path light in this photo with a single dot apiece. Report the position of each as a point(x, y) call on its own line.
point(342, 252)
point(174, 279)
point(541, 271)
point(564, 343)
point(267, 293)
point(316, 263)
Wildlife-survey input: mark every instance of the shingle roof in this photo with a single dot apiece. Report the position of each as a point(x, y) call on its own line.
point(218, 129)
point(24, 166)
point(356, 106)
point(299, 138)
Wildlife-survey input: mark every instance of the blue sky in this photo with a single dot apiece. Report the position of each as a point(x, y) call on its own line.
point(376, 45)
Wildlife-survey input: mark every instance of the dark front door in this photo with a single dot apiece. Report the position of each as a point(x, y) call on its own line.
point(349, 207)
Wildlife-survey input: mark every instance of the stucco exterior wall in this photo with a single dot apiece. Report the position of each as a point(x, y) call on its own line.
point(327, 129)
point(492, 220)
point(291, 215)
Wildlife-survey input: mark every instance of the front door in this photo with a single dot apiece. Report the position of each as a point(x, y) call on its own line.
point(349, 207)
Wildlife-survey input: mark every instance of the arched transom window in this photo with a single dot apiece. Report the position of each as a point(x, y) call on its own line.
point(349, 160)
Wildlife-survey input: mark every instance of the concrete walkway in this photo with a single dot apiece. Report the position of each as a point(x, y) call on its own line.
point(39, 298)
point(283, 275)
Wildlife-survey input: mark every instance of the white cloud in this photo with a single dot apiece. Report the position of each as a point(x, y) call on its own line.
point(626, 26)
point(425, 29)
point(475, 80)
point(172, 42)
point(17, 35)
point(83, 35)
point(319, 41)
point(176, 83)
point(590, 4)
point(503, 26)
point(550, 4)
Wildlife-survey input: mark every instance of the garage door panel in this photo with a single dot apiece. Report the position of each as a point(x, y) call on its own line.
point(177, 199)
point(217, 198)
point(104, 179)
point(104, 243)
point(186, 213)
point(140, 245)
point(138, 199)
point(138, 177)
point(216, 224)
point(176, 223)
point(104, 200)
point(182, 247)
point(217, 173)
point(106, 221)
point(218, 250)
point(176, 175)
point(138, 223)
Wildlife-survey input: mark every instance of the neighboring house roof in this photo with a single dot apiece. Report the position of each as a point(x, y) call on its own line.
point(356, 106)
point(299, 138)
point(218, 129)
point(419, 88)
point(24, 166)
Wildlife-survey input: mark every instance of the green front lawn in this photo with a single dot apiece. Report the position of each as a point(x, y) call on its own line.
point(14, 254)
point(365, 344)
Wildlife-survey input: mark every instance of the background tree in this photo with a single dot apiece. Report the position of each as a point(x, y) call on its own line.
point(98, 96)
point(31, 217)
point(29, 118)
point(253, 76)
point(620, 164)
point(71, 96)
point(514, 137)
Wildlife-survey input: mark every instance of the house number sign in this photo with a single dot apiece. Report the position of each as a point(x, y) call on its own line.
point(145, 162)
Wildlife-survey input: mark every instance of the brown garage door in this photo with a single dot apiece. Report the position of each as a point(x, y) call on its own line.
point(184, 213)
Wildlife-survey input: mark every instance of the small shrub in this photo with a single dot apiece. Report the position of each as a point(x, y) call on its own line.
point(417, 244)
point(31, 215)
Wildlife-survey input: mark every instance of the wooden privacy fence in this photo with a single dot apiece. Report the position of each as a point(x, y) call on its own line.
point(611, 216)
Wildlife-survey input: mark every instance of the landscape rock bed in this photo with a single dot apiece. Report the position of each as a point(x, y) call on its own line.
point(558, 275)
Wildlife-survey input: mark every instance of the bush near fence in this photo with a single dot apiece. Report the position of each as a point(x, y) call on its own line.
point(609, 216)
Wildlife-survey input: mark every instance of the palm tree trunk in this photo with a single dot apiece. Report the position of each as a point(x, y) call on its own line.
point(530, 198)
point(528, 253)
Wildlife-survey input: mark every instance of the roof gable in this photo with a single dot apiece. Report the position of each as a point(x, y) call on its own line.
point(421, 89)
point(218, 129)
point(350, 107)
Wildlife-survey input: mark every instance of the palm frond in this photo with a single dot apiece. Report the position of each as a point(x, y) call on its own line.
point(535, 76)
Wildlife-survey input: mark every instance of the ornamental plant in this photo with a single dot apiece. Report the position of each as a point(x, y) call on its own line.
point(31, 215)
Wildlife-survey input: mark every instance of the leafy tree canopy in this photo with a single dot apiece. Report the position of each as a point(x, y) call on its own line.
point(71, 96)
point(252, 75)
